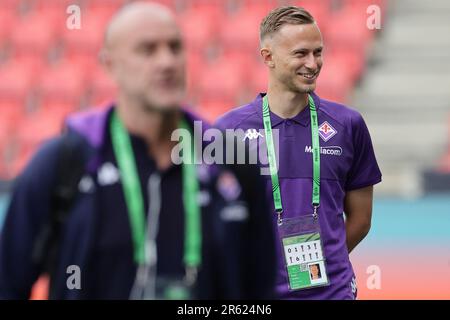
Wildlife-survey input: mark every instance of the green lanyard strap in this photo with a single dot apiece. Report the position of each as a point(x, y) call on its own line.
point(316, 154)
point(193, 235)
point(272, 158)
point(135, 203)
point(271, 154)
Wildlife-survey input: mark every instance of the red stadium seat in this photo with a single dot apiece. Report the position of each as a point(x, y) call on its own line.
point(242, 59)
point(39, 126)
point(246, 62)
point(241, 30)
point(350, 29)
point(32, 63)
point(12, 5)
point(365, 3)
point(109, 5)
point(32, 130)
point(253, 5)
point(18, 163)
point(444, 164)
point(58, 13)
point(33, 33)
point(183, 5)
point(211, 109)
point(7, 22)
point(352, 60)
point(221, 79)
point(62, 83)
point(320, 10)
point(10, 114)
point(195, 62)
point(52, 4)
point(9, 117)
point(335, 81)
point(104, 12)
point(16, 82)
point(83, 61)
point(103, 89)
point(58, 109)
point(259, 79)
point(200, 25)
point(89, 38)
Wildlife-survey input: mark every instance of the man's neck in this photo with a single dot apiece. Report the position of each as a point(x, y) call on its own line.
point(154, 127)
point(285, 103)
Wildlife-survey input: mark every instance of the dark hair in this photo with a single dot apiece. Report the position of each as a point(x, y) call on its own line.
point(319, 274)
point(281, 16)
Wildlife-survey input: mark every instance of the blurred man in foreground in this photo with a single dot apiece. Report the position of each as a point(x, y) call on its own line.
point(105, 202)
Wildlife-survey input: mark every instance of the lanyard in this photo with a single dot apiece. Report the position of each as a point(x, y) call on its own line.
point(273, 162)
point(135, 203)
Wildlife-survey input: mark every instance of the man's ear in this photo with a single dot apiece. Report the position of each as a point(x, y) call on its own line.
point(266, 54)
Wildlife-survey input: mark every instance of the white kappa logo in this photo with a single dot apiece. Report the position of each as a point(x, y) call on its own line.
point(108, 174)
point(252, 134)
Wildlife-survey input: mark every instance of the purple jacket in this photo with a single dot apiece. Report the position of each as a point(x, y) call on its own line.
point(234, 251)
point(347, 163)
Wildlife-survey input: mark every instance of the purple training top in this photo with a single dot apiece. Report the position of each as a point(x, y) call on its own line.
point(347, 163)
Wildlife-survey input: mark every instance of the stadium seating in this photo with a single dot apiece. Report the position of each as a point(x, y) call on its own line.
point(210, 108)
point(34, 33)
point(200, 25)
point(11, 4)
point(7, 21)
point(62, 83)
point(48, 71)
point(101, 87)
point(242, 29)
point(16, 82)
point(89, 38)
point(9, 117)
point(221, 78)
point(444, 162)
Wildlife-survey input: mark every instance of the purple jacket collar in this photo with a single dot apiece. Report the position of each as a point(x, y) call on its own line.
point(92, 124)
point(302, 118)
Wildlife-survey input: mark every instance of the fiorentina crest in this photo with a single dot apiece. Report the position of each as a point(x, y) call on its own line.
point(326, 131)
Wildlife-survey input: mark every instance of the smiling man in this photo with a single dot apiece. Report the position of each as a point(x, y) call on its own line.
point(325, 167)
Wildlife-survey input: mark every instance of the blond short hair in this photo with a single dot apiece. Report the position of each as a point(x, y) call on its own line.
point(281, 16)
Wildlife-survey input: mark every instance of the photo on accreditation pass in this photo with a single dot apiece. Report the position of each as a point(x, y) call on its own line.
point(305, 262)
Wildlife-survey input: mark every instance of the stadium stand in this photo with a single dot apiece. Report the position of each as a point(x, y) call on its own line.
point(405, 95)
point(48, 70)
point(444, 162)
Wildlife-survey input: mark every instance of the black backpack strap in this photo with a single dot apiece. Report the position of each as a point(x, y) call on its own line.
point(70, 168)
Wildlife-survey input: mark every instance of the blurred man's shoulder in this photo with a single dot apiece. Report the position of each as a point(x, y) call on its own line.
point(90, 124)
